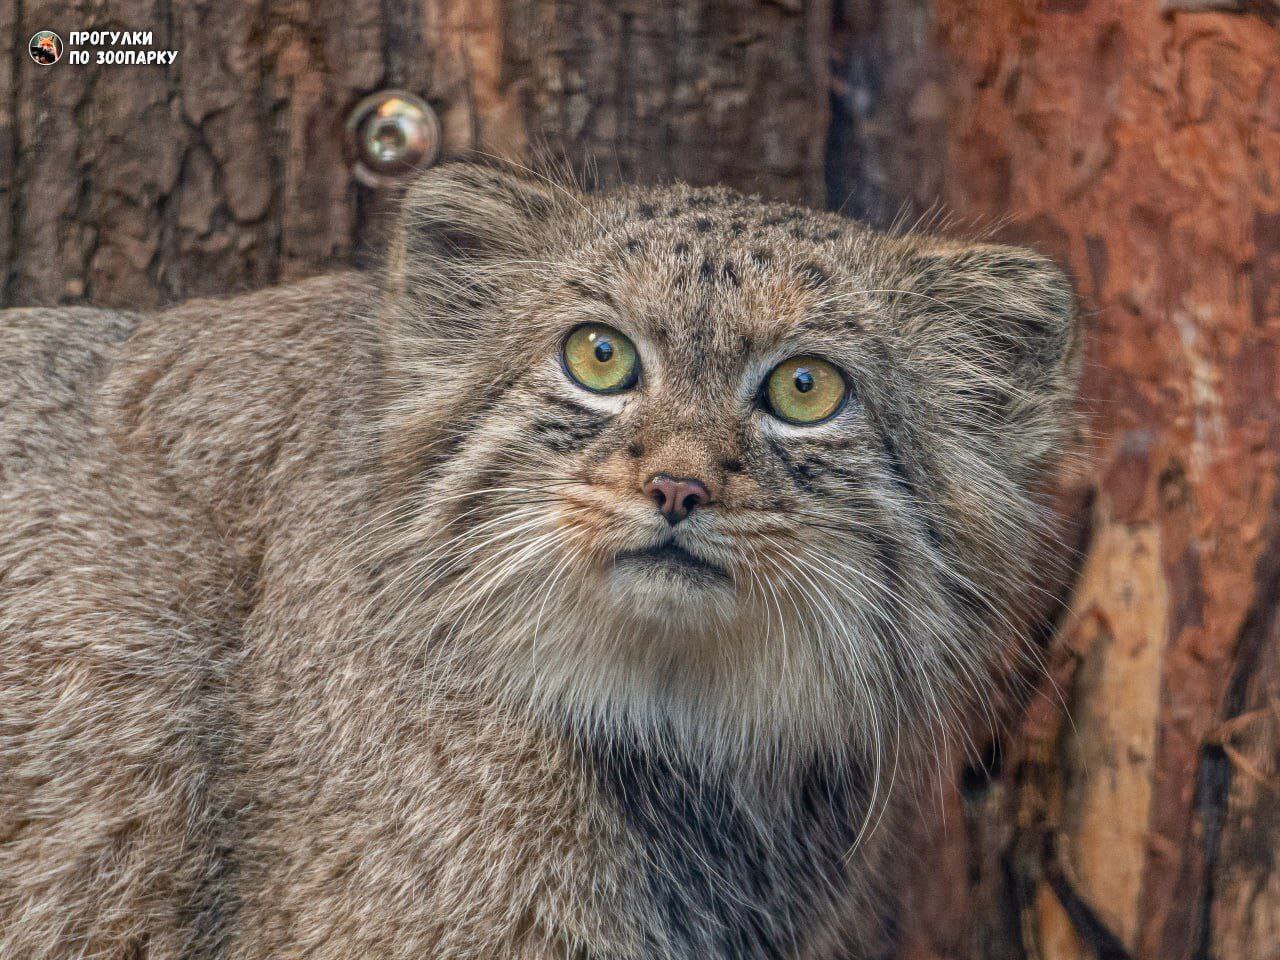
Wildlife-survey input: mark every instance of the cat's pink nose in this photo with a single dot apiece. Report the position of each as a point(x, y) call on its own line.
point(676, 497)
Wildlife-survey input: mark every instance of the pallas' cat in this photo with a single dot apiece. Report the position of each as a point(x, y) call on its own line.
point(585, 584)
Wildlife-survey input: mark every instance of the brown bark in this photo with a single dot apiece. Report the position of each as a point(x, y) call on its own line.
point(1139, 143)
point(727, 92)
point(226, 170)
point(1141, 147)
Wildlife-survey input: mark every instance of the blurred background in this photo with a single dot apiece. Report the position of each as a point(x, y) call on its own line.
point(1137, 142)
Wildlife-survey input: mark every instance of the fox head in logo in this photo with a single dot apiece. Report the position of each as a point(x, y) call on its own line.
point(45, 48)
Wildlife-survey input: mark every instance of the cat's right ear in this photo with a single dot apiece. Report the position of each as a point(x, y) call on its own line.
point(461, 229)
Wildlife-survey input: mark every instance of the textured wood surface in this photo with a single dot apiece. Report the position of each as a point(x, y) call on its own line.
point(226, 170)
point(732, 91)
point(1141, 147)
point(1138, 142)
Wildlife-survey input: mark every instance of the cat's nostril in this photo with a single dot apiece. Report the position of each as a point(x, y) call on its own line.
point(676, 497)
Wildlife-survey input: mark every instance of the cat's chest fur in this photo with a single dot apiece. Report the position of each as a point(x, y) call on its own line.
point(729, 873)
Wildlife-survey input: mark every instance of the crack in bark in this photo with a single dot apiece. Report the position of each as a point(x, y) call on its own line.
point(1213, 778)
point(1089, 927)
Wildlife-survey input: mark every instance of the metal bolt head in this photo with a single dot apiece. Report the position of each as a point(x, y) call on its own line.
point(391, 134)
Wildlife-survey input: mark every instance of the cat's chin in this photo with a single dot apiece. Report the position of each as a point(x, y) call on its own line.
point(670, 587)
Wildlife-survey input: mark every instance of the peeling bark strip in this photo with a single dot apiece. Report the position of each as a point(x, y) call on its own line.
point(1138, 143)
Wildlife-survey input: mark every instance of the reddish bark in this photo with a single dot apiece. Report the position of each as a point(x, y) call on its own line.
point(1141, 148)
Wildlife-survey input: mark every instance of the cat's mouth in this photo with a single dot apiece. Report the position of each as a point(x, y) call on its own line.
point(671, 558)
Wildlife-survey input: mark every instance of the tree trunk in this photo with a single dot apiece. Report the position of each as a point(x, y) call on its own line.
point(227, 170)
point(1137, 143)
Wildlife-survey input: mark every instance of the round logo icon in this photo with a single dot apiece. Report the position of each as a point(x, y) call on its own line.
point(45, 48)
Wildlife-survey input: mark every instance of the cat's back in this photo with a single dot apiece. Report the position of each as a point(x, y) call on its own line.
point(52, 361)
point(89, 678)
point(195, 398)
point(140, 457)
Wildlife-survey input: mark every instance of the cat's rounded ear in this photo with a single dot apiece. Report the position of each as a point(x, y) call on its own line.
point(460, 228)
point(1008, 310)
point(990, 335)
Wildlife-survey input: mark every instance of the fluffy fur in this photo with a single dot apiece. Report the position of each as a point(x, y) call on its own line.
point(315, 643)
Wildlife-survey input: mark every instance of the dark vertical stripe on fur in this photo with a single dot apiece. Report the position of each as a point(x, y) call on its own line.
point(732, 880)
point(802, 475)
point(902, 478)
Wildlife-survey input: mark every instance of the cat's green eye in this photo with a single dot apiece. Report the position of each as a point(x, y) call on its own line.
point(805, 391)
point(600, 358)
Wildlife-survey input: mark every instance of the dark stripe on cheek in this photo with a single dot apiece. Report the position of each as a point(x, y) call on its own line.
point(565, 436)
point(896, 468)
point(570, 406)
point(975, 608)
point(800, 471)
point(889, 611)
point(902, 479)
point(887, 558)
point(916, 506)
point(436, 456)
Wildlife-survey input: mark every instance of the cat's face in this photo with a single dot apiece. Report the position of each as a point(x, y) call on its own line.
point(689, 459)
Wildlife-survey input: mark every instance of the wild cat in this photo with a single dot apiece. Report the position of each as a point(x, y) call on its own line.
point(587, 584)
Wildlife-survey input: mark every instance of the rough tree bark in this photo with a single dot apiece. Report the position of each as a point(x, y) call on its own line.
point(1137, 142)
point(226, 170)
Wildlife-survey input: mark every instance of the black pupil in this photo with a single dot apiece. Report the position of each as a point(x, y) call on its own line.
point(604, 351)
point(804, 381)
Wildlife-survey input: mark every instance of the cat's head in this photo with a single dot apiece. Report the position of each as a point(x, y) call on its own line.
point(687, 460)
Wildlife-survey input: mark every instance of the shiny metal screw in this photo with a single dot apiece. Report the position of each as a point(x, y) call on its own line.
point(391, 134)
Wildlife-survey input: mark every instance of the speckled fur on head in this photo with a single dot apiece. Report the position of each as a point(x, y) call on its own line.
point(312, 636)
point(874, 558)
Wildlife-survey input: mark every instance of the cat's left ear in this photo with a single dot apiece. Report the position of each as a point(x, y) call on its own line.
point(997, 316)
point(461, 229)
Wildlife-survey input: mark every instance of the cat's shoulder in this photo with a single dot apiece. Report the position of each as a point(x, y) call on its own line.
point(56, 352)
point(203, 385)
point(283, 321)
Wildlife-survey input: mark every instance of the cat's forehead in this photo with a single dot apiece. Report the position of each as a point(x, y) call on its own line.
point(679, 221)
point(714, 269)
